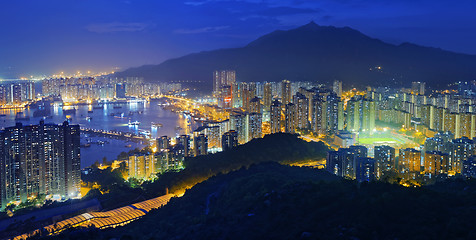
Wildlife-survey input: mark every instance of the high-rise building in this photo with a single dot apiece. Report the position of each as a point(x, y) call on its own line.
point(461, 150)
point(255, 105)
point(120, 90)
point(337, 88)
point(418, 88)
point(368, 115)
point(245, 94)
point(162, 143)
point(267, 96)
point(275, 117)
point(301, 103)
point(286, 92)
point(365, 169)
point(469, 167)
point(229, 140)
point(225, 97)
point(436, 163)
point(318, 118)
point(200, 145)
point(238, 123)
point(184, 142)
point(334, 114)
point(290, 118)
point(223, 78)
point(409, 162)
point(254, 126)
point(384, 159)
point(39, 159)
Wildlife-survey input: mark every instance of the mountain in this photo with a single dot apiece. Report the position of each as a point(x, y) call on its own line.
point(319, 53)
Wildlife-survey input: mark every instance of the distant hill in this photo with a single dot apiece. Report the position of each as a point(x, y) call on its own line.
point(319, 53)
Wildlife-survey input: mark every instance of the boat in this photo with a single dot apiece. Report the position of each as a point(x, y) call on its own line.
point(88, 118)
point(117, 107)
point(90, 111)
point(156, 125)
point(133, 124)
point(128, 146)
point(3, 115)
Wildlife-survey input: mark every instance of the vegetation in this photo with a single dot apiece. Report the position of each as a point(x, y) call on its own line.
point(272, 201)
point(281, 147)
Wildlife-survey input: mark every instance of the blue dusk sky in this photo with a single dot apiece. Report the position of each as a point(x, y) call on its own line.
point(50, 36)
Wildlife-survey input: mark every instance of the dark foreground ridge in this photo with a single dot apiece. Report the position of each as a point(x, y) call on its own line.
point(318, 53)
point(272, 201)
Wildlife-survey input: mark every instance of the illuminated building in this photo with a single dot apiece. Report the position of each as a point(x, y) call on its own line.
point(384, 159)
point(334, 114)
point(318, 118)
point(368, 115)
point(469, 167)
point(255, 105)
point(162, 143)
point(267, 96)
point(238, 123)
point(290, 118)
point(200, 145)
point(39, 159)
point(120, 90)
point(3, 95)
point(245, 93)
point(418, 88)
point(229, 140)
point(235, 96)
point(286, 92)
point(440, 142)
point(222, 78)
point(365, 169)
point(137, 166)
point(461, 150)
point(353, 115)
point(184, 142)
point(212, 133)
point(254, 126)
point(337, 88)
point(409, 162)
point(302, 110)
point(333, 164)
point(344, 139)
point(344, 161)
point(275, 117)
point(436, 163)
point(225, 97)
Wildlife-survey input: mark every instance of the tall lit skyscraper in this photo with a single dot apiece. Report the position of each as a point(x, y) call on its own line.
point(229, 140)
point(275, 117)
point(384, 159)
point(200, 145)
point(337, 88)
point(286, 92)
point(222, 78)
point(301, 103)
point(290, 118)
point(39, 159)
point(255, 105)
point(318, 118)
point(267, 96)
point(254, 124)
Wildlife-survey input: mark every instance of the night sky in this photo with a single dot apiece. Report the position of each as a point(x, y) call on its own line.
point(50, 36)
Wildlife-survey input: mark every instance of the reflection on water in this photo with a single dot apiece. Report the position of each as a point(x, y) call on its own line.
point(110, 117)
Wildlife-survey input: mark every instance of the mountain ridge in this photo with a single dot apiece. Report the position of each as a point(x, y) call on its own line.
point(319, 53)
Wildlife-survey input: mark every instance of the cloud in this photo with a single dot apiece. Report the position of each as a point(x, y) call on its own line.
point(200, 30)
point(281, 11)
point(117, 27)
